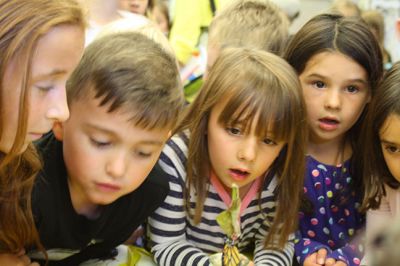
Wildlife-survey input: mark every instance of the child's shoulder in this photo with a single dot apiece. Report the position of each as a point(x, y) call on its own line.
point(156, 180)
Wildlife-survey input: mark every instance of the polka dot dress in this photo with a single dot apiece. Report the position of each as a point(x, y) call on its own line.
point(331, 224)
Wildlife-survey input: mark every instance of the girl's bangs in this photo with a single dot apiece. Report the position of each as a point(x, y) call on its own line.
point(270, 107)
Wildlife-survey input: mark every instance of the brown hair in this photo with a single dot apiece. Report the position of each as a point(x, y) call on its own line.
point(23, 23)
point(130, 71)
point(351, 37)
point(253, 81)
point(376, 173)
point(252, 23)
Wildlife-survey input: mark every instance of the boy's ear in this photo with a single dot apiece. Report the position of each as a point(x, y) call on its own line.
point(58, 130)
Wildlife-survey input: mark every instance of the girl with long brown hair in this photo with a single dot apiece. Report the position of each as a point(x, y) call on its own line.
point(246, 127)
point(41, 41)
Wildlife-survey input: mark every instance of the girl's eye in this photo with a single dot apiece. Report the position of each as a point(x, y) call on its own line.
point(44, 88)
point(269, 141)
point(99, 144)
point(352, 89)
point(392, 149)
point(233, 130)
point(318, 84)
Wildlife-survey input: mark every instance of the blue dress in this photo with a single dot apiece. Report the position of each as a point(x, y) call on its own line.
point(331, 224)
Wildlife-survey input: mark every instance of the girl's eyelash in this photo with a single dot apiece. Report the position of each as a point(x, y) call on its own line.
point(44, 88)
point(269, 141)
point(392, 149)
point(233, 130)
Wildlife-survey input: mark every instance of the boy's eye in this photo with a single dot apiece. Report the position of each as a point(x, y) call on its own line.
point(143, 154)
point(392, 149)
point(269, 141)
point(99, 144)
point(233, 130)
point(352, 89)
point(318, 84)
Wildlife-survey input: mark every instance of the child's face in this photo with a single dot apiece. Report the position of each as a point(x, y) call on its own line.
point(335, 90)
point(161, 20)
point(106, 155)
point(135, 6)
point(57, 54)
point(236, 157)
point(390, 142)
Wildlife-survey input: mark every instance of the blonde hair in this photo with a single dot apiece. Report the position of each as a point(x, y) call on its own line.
point(253, 81)
point(150, 30)
point(345, 8)
point(253, 23)
point(23, 23)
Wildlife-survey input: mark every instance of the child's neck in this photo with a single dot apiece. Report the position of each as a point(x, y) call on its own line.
point(333, 152)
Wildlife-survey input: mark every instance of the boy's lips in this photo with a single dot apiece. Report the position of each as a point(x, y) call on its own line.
point(238, 174)
point(107, 187)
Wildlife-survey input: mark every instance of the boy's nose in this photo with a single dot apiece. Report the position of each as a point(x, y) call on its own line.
point(116, 166)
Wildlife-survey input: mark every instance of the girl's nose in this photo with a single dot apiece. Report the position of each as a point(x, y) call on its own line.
point(58, 109)
point(332, 99)
point(248, 150)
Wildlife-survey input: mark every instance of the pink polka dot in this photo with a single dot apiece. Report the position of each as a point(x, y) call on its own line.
point(314, 221)
point(346, 212)
point(307, 242)
point(356, 261)
point(327, 181)
point(315, 173)
point(311, 233)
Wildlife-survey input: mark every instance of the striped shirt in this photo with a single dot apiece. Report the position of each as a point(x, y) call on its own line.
point(176, 240)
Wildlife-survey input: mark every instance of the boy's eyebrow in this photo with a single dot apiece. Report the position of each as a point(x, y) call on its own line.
point(315, 75)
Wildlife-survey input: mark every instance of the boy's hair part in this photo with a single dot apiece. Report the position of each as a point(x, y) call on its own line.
point(250, 23)
point(129, 71)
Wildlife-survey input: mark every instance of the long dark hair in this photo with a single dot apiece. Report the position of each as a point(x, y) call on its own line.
point(375, 171)
point(351, 37)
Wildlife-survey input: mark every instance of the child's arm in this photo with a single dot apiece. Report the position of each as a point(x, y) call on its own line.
point(167, 228)
point(305, 247)
point(263, 256)
point(167, 225)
